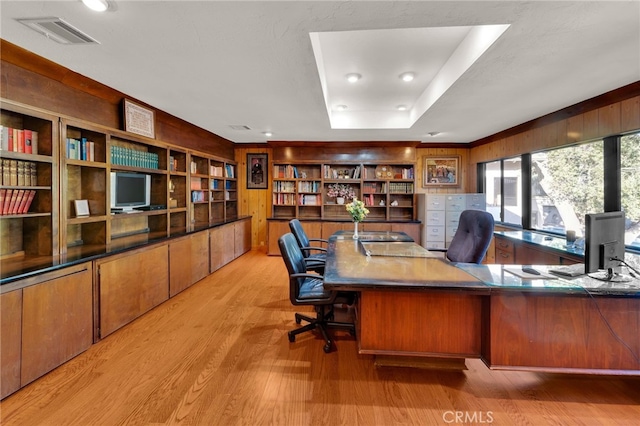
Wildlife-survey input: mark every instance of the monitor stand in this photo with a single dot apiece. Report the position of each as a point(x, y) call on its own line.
point(610, 276)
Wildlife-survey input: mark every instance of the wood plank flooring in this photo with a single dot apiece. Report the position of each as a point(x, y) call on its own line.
point(218, 354)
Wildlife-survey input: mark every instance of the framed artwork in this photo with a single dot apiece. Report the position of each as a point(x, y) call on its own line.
point(138, 119)
point(82, 208)
point(257, 171)
point(443, 171)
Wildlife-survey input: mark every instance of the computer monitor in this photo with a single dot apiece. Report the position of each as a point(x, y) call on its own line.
point(604, 243)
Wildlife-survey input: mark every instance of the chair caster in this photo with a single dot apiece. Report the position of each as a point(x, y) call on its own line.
point(327, 348)
point(292, 337)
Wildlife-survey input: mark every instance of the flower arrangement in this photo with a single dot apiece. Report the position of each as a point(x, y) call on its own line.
point(341, 190)
point(357, 210)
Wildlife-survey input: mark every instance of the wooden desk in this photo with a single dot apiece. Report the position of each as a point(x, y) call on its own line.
point(415, 306)
point(426, 307)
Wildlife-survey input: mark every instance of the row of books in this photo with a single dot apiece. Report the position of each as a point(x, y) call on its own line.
point(308, 186)
point(215, 171)
point(18, 173)
point(309, 200)
point(374, 187)
point(400, 188)
point(282, 199)
point(280, 186)
point(16, 201)
point(18, 140)
point(81, 149)
point(173, 163)
point(134, 158)
point(198, 196)
point(286, 171)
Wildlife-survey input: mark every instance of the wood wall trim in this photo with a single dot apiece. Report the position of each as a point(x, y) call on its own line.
point(33, 80)
point(602, 101)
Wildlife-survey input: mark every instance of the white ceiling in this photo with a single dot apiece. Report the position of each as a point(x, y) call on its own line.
point(217, 64)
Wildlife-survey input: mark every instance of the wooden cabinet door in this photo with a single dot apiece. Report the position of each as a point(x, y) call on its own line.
point(242, 237)
point(132, 284)
point(57, 322)
point(188, 261)
point(222, 246)
point(276, 229)
point(10, 341)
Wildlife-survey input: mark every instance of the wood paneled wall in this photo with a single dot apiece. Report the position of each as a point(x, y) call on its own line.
point(254, 202)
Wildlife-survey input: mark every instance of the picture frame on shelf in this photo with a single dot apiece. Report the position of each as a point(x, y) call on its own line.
point(138, 119)
point(441, 171)
point(82, 208)
point(257, 171)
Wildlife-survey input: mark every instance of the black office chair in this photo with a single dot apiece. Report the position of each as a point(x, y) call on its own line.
point(314, 261)
point(308, 289)
point(472, 238)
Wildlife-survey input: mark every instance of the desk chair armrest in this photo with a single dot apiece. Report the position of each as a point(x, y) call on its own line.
point(319, 240)
point(441, 250)
point(308, 260)
point(306, 275)
point(313, 248)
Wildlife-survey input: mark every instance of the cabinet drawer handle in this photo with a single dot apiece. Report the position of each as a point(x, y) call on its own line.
point(505, 255)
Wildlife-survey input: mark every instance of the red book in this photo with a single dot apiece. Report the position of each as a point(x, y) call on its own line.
point(12, 201)
point(20, 139)
point(3, 192)
point(15, 204)
point(5, 203)
point(12, 146)
point(24, 207)
point(28, 138)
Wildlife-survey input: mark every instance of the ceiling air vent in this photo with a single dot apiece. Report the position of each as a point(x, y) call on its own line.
point(239, 127)
point(58, 30)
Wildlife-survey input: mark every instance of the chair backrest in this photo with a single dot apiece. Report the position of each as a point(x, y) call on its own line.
point(472, 238)
point(306, 290)
point(301, 237)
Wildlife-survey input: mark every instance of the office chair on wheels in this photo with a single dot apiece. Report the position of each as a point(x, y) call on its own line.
point(308, 289)
point(314, 261)
point(472, 238)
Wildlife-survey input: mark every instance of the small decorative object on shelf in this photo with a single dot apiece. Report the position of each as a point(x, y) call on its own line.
point(358, 213)
point(340, 191)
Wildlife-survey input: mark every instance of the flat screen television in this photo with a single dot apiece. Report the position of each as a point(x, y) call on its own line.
point(130, 191)
point(604, 243)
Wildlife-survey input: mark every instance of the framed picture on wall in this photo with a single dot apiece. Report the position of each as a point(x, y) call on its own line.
point(257, 171)
point(443, 171)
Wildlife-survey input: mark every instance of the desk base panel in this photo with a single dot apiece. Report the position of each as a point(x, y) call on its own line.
point(434, 324)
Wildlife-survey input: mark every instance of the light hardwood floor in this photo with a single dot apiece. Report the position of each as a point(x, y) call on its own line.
point(218, 354)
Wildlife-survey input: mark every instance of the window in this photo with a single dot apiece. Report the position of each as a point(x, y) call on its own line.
point(493, 189)
point(630, 187)
point(503, 190)
point(566, 183)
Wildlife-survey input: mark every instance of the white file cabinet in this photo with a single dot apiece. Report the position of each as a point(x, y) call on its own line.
point(440, 215)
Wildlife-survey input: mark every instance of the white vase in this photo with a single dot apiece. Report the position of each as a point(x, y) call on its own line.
point(355, 230)
point(340, 200)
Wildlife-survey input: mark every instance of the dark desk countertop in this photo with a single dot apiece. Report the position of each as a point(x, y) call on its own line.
point(43, 264)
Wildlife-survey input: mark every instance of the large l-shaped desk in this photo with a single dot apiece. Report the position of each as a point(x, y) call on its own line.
point(413, 304)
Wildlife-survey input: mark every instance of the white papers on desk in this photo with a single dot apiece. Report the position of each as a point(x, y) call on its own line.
point(517, 271)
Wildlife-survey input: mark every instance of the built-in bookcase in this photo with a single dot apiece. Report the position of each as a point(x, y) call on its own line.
point(213, 190)
point(303, 190)
point(63, 163)
point(30, 203)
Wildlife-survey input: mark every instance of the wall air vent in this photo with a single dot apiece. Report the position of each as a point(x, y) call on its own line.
point(239, 127)
point(58, 30)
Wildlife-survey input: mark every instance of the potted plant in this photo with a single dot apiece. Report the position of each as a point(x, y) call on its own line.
point(340, 192)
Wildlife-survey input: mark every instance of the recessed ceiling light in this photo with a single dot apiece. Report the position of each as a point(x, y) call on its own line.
point(407, 76)
point(97, 5)
point(353, 77)
point(401, 107)
point(341, 107)
point(267, 134)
